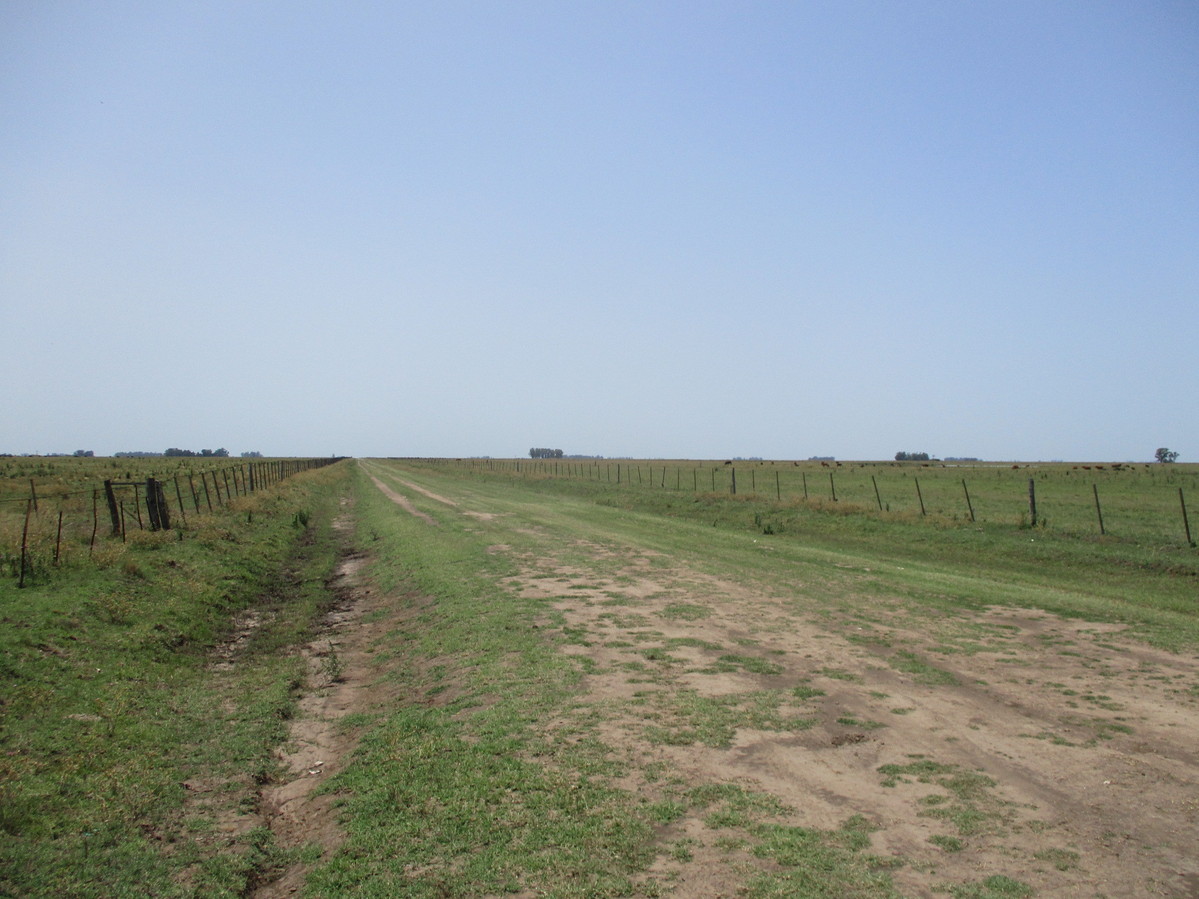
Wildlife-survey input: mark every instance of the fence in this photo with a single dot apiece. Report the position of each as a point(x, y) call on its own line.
point(60, 521)
point(1142, 501)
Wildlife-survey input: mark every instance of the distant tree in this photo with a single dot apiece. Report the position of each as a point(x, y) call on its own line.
point(84, 454)
point(252, 454)
point(1165, 455)
point(176, 451)
point(541, 452)
point(911, 457)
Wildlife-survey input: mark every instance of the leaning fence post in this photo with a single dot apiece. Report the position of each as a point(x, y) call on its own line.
point(1186, 522)
point(58, 538)
point(1098, 509)
point(179, 496)
point(25, 542)
point(969, 506)
point(112, 508)
point(878, 499)
point(95, 520)
point(919, 496)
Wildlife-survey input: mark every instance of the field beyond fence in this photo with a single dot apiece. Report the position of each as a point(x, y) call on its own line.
point(55, 511)
point(1144, 503)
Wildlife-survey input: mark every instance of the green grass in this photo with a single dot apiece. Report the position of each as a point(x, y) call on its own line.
point(486, 776)
point(998, 886)
point(1144, 577)
point(115, 721)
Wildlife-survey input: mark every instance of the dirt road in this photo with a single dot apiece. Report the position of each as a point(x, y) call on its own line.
point(1000, 743)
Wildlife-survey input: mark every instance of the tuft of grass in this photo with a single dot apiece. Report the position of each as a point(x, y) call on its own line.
point(949, 844)
point(970, 805)
point(922, 671)
point(684, 611)
point(997, 886)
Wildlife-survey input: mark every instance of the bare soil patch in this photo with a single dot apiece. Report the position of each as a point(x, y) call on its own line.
point(1053, 751)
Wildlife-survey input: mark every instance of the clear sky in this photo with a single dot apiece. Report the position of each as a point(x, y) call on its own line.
point(654, 229)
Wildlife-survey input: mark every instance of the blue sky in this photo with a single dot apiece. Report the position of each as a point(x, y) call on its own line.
point(699, 229)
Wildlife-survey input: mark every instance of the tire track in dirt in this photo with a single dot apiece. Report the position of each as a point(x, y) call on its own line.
point(1081, 790)
point(341, 680)
point(403, 502)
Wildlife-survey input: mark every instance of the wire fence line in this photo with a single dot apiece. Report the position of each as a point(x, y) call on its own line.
point(1144, 502)
point(38, 531)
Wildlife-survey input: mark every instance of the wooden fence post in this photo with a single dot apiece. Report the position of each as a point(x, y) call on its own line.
point(1098, 509)
point(179, 496)
point(25, 542)
point(1032, 502)
point(919, 496)
point(95, 520)
point(112, 508)
point(878, 499)
point(778, 491)
point(832, 486)
point(733, 471)
point(969, 505)
point(164, 509)
point(1186, 522)
point(152, 503)
point(33, 493)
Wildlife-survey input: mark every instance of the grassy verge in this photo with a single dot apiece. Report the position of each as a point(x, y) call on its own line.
point(1149, 586)
point(130, 750)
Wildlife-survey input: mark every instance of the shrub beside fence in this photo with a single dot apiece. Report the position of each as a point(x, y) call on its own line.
point(37, 533)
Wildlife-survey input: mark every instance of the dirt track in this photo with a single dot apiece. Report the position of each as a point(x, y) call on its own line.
point(1011, 742)
point(1089, 743)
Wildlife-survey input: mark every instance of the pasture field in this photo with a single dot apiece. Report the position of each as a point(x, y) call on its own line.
point(485, 678)
point(1136, 501)
point(53, 509)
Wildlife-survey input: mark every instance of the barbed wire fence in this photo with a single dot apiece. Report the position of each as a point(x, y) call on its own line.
point(38, 532)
